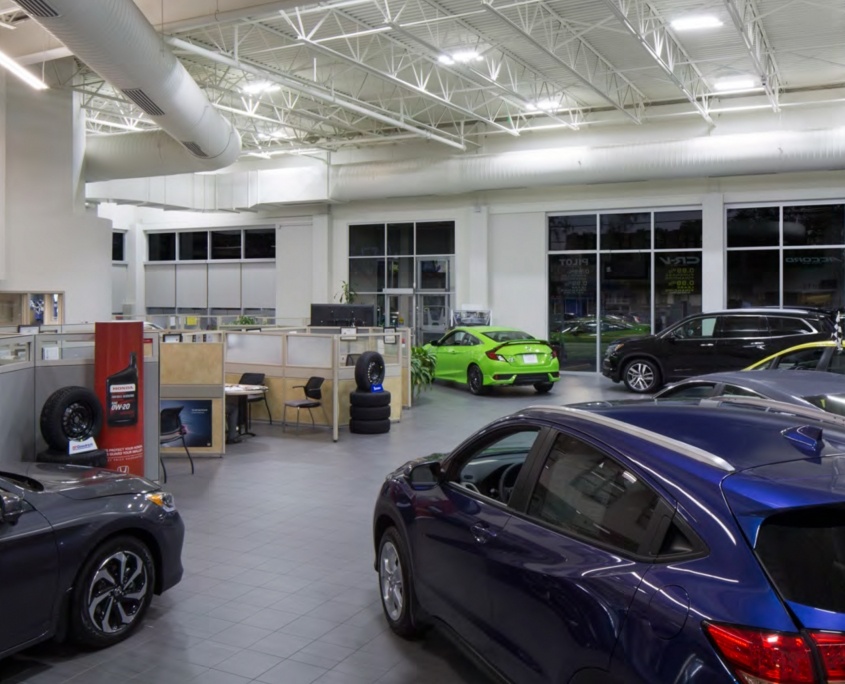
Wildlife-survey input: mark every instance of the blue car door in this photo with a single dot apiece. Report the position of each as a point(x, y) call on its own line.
point(457, 523)
point(28, 577)
point(564, 572)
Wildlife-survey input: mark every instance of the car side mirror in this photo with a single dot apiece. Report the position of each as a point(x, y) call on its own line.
point(11, 507)
point(435, 343)
point(425, 475)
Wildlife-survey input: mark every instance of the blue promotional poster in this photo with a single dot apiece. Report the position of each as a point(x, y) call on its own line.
point(188, 418)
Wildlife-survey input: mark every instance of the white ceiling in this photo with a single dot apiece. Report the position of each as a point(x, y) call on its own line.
point(366, 72)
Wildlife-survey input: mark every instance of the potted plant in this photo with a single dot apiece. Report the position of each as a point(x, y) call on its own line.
point(423, 362)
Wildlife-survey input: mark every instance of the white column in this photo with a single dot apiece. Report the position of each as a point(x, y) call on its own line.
point(320, 258)
point(477, 292)
point(714, 258)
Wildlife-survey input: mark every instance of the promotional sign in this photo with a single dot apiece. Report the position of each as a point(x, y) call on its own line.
point(118, 379)
point(188, 418)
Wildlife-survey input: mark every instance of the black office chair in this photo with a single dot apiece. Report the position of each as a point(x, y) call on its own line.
point(171, 429)
point(256, 379)
point(313, 399)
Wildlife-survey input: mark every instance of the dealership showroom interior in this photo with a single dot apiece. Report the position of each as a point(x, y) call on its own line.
point(422, 341)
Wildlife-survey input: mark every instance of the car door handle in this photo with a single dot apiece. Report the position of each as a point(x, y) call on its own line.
point(706, 344)
point(482, 532)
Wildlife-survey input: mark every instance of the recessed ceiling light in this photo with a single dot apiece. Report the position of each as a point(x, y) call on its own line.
point(736, 83)
point(257, 87)
point(695, 23)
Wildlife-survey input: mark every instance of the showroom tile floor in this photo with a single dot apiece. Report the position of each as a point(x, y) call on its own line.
point(279, 586)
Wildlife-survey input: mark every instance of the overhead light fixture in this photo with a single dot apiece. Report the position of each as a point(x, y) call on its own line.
point(696, 23)
point(460, 57)
point(736, 83)
point(278, 134)
point(23, 74)
point(257, 87)
point(545, 105)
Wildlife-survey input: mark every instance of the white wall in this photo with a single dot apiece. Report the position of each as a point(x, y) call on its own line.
point(294, 264)
point(51, 244)
point(517, 262)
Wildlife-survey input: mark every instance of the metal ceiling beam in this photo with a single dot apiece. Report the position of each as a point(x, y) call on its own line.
point(568, 49)
point(315, 92)
point(395, 80)
point(644, 24)
point(747, 20)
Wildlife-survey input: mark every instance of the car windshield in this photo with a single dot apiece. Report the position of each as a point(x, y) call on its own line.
point(804, 552)
point(508, 335)
point(832, 403)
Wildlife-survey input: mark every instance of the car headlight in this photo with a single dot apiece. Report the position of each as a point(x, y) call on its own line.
point(162, 500)
point(614, 347)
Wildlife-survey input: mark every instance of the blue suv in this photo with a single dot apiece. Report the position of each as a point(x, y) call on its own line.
point(628, 544)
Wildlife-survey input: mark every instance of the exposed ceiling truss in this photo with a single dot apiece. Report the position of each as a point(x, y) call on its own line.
point(366, 72)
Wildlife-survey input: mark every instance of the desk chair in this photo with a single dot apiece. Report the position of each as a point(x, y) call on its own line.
point(313, 399)
point(256, 379)
point(171, 429)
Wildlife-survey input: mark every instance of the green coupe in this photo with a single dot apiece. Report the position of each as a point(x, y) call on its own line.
point(482, 356)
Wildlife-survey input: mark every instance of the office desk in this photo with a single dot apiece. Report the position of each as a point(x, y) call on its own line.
point(243, 394)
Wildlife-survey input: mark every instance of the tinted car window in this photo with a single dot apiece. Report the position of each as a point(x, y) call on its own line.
point(803, 359)
point(837, 362)
point(783, 325)
point(497, 464)
point(804, 553)
point(453, 339)
point(737, 391)
point(508, 335)
point(744, 326)
point(584, 492)
point(832, 403)
point(691, 391)
point(696, 328)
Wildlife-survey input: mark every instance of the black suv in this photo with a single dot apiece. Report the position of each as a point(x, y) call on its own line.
point(711, 342)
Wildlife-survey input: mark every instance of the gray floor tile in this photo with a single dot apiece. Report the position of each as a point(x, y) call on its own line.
point(292, 672)
point(248, 663)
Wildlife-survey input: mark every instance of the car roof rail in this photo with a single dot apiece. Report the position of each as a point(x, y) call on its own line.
point(693, 452)
point(774, 406)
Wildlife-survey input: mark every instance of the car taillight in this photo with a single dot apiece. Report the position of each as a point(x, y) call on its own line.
point(831, 648)
point(494, 354)
point(554, 353)
point(762, 657)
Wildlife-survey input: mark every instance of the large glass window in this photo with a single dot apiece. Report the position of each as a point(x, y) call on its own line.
point(626, 231)
point(753, 278)
point(400, 239)
point(225, 244)
point(572, 308)
point(260, 243)
point(572, 232)
point(436, 237)
point(161, 246)
point(193, 246)
point(814, 225)
point(625, 296)
point(677, 229)
point(753, 227)
point(813, 277)
point(677, 287)
point(117, 243)
point(366, 241)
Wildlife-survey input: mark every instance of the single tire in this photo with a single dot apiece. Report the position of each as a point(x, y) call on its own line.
point(369, 370)
point(98, 458)
point(369, 427)
point(369, 399)
point(396, 585)
point(112, 592)
point(641, 375)
point(369, 413)
point(543, 387)
point(475, 380)
point(70, 413)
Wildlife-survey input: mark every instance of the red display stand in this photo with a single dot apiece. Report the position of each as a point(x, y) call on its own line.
point(118, 379)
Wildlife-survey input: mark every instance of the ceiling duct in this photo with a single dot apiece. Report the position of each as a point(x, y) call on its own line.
point(114, 38)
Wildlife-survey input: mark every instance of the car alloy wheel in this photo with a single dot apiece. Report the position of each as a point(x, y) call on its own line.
point(117, 592)
point(475, 380)
point(641, 376)
point(392, 585)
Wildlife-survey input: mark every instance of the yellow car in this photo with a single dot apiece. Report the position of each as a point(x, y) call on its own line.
point(818, 356)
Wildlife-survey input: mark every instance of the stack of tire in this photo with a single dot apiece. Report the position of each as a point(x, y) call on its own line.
point(369, 411)
point(71, 413)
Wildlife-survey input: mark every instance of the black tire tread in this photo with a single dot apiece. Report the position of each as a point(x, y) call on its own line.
point(369, 427)
point(54, 407)
point(369, 412)
point(369, 370)
point(369, 399)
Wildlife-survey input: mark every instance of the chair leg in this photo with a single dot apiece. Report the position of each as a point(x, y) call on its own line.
point(297, 418)
point(311, 413)
point(163, 468)
point(185, 444)
point(267, 404)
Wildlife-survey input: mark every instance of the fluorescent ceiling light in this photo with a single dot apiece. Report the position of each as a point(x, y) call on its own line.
point(257, 87)
point(461, 57)
point(696, 23)
point(278, 134)
point(736, 83)
point(546, 105)
point(23, 74)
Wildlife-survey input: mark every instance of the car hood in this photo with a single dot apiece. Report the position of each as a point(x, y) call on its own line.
point(629, 340)
point(81, 482)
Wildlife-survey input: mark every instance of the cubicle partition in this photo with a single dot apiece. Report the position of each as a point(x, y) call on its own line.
point(289, 356)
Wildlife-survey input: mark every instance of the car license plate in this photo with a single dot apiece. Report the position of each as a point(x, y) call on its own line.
point(529, 358)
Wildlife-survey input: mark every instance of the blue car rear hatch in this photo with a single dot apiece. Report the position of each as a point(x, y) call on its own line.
point(793, 515)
